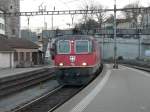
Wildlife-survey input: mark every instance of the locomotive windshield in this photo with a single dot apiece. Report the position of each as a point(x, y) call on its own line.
point(63, 47)
point(83, 46)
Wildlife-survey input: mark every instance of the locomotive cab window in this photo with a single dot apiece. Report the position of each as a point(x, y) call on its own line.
point(63, 47)
point(83, 46)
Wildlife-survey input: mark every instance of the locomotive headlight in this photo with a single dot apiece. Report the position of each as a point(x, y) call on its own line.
point(61, 64)
point(84, 64)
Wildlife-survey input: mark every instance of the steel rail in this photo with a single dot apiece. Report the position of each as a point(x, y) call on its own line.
point(139, 68)
point(22, 81)
point(59, 104)
point(37, 99)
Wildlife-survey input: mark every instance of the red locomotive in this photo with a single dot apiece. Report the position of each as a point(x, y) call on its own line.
point(77, 59)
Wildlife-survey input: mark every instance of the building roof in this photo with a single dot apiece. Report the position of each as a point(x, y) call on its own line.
point(12, 43)
point(4, 46)
point(111, 20)
point(21, 43)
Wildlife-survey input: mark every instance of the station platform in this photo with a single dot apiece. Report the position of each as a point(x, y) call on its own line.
point(16, 71)
point(114, 90)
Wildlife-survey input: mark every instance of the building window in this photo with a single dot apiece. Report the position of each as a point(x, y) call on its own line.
point(13, 31)
point(27, 56)
point(21, 56)
point(15, 56)
point(11, 7)
point(1, 26)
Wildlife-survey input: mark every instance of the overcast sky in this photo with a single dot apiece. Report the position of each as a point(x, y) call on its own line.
point(37, 22)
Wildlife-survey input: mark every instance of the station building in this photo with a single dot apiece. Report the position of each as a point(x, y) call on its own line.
point(15, 52)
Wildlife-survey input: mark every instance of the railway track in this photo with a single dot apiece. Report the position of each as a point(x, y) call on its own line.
point(132, 64)
point(51, 100)
point(10, 85)
point(138, 67)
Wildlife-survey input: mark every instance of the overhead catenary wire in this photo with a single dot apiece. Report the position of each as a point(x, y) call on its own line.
point(68, 12)
point(72, 15)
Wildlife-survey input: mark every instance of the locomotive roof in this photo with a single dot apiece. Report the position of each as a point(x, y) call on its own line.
point(75, 37)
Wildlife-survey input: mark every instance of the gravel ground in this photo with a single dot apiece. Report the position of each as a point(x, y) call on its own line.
point(12, 101)
point(53, 100)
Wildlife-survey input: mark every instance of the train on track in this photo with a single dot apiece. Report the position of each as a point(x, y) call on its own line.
point(77, 59)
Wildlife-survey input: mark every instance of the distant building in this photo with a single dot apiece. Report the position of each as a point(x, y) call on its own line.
point(121, 24)
point(2, 24)
point(12, 24)
point(15, 52)
point(29, 35)
point(55, 33)
point(124, 24)
point(47, 33)
point(146, 19)
point(6, 55)
point(146, 25)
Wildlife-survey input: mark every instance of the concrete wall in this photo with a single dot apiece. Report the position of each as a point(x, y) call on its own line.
point(6, 60)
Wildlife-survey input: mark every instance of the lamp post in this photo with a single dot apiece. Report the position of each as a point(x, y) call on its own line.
point(115, 43)
point(139, 48)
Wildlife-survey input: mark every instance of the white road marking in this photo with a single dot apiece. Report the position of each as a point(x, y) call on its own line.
point(139, 71)
point(86, 101)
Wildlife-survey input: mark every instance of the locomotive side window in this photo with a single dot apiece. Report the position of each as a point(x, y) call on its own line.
point(63, 47)
point(83, 46)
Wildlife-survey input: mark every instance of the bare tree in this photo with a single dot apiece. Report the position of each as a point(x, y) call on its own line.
point(99, 17)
